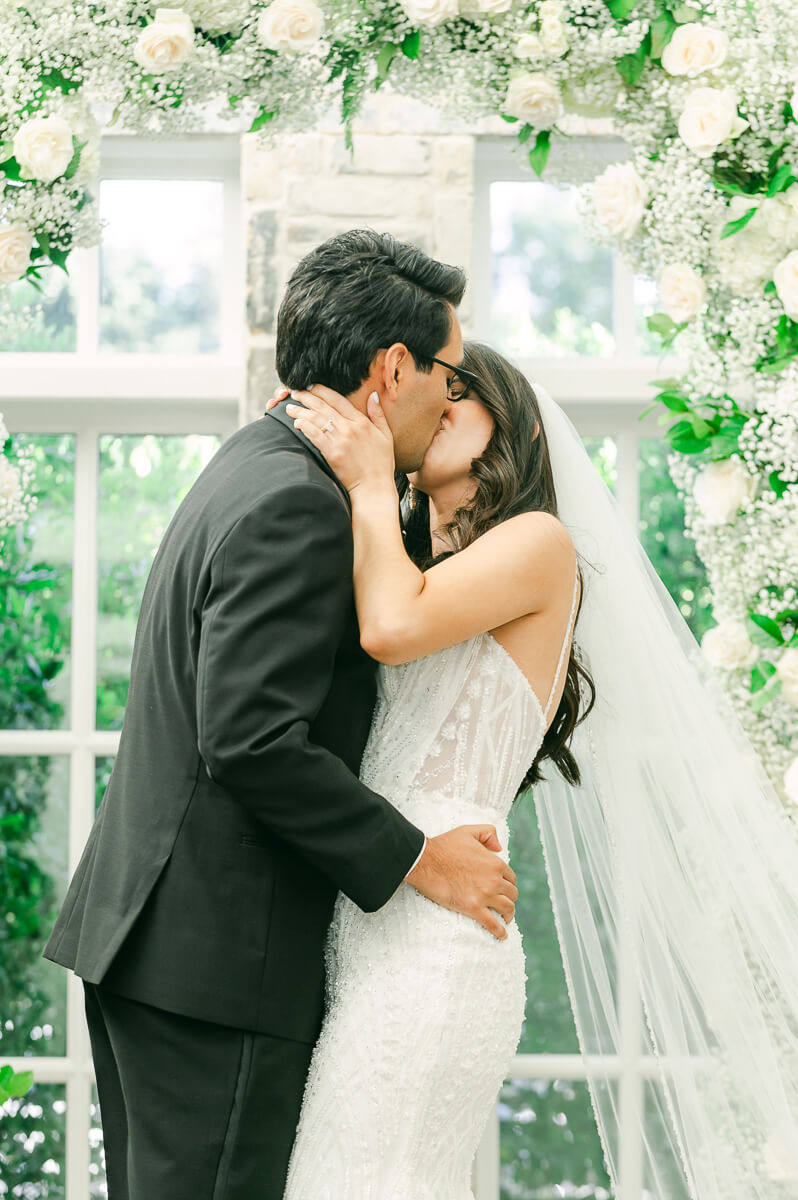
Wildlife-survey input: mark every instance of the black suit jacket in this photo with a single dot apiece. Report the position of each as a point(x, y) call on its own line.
point(234, 812)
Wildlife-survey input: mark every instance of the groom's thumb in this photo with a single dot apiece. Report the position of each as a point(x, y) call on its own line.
point(376, 414)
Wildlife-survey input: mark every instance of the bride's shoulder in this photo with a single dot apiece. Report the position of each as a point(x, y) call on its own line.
point(535, 534)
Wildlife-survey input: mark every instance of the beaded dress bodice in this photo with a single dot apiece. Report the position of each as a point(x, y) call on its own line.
point(424, 1005)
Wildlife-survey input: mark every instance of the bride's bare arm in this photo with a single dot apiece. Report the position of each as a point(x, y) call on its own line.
point(514, 569)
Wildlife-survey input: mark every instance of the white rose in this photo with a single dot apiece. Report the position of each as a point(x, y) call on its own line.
point(218, 16)
point(682, 292)
point(553, 36)
point(720, 489)
point(43, 147)
point(534, 99)
point(693, 49)
point(710, 118)
point(3, 433)
point(785, 278)
point(551, 9)
point(493, 8)
point(791, 782)
point(728, 646)
point(529, 45)
point(16, 244)
point(430, 12)
point(290, 25)
point(10, 485)
point(166, 43)
point(787, 671)
point(619, 197)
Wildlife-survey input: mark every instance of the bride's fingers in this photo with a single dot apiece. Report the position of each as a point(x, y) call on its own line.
point(321, 397)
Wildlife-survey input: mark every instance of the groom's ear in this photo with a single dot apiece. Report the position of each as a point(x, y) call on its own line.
point(397, 359)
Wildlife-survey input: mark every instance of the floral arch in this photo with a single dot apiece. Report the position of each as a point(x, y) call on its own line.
point(705, 95)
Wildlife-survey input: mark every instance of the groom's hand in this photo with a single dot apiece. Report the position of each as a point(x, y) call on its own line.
point(461, 870)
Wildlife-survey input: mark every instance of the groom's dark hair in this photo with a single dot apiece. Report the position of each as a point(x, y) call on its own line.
point(358, 293)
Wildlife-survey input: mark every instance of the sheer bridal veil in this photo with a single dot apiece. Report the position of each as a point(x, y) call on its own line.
point(673, 873)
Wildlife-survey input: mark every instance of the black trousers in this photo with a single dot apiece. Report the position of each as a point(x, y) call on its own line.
point(192, 1110)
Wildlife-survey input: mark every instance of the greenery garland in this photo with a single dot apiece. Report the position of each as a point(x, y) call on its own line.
point(704, 94)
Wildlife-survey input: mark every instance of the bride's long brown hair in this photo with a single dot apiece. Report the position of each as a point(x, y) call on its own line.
point(513, 475)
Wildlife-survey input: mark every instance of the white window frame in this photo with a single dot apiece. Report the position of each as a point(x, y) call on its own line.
point(88, 393)
point(603, 396)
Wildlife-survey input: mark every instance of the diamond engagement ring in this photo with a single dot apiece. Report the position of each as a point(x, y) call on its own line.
point(328, 428)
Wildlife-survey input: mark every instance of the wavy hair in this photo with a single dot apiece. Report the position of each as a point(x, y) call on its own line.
point(513, 475)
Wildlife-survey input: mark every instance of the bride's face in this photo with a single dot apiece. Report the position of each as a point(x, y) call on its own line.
point(464, 432)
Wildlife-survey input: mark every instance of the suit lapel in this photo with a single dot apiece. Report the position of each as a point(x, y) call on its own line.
point(282, 416)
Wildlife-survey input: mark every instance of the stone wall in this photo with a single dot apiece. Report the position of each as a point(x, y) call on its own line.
point(411, 174)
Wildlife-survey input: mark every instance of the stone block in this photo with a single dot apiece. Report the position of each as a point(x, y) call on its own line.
point(382, 154)
point(261, 276)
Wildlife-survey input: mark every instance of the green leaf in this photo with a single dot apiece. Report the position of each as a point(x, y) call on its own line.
point(630, 67)
point(674, 401)
point(20, 1084)
point(56, 80)
point(74, 161)
point(761, 673)
point(788, 614)
point(411, 44)
point(510, 120)
point(262, 118)
point(770, 288)
point(701, 428)
point(662, 30)
point(665, 328)
point(788, 114)
point(775, 156)
point(783, 179)
point(683, 439)
point(6, 1073)
point(764, 631)
point(684, 13)
point(764, 697)
point(10, 168)
point(621, 9)
point(387, 54)
point(778, 485)
point(539, 154)
point(735, 226)
point(524, 133)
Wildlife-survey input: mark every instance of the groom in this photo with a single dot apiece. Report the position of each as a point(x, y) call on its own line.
point(198, 912)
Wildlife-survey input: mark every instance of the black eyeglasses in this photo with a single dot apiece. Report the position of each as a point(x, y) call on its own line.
point(461, 381)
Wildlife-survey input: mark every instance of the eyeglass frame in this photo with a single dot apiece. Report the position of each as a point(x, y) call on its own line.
point(467, 377)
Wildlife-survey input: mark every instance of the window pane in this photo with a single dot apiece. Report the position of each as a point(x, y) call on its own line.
point(646, 301)
point(161, 265)
point(549, 1144)
point(664, 540)
point(33, 1143)
point(669, 1180)
point(548, 1023)
point(603, 453)
point(142, 481)
point(34, 819)
point(49, 317)
point(551, 286)
point(98, 1189)
point(102, 773)
point(36, 593)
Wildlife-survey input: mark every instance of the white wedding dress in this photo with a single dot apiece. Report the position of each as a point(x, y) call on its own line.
point(424, 1005)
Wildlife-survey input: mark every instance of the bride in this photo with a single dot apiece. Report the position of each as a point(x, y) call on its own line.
point(473, 621)
point(672, 867)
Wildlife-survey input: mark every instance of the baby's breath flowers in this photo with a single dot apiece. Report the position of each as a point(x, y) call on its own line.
point(705, 203)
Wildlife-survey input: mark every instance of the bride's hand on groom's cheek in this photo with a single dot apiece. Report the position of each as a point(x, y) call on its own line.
point(358, 446)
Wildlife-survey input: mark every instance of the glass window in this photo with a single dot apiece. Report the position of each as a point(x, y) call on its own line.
point(549, 1143)
point(48, 318)
point(36, 589)
point(33, 1147)
point(34, 821)
point(142, 481)
point(161, 265)
point(551, 286)
point(548, 1021)
point(603, 453)
point(665, 541)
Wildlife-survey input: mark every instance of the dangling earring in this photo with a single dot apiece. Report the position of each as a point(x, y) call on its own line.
point(412, 492)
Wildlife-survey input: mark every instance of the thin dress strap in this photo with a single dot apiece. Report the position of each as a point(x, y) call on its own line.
point(564, 647)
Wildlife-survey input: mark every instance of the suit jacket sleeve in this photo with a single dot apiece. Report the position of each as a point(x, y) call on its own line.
point(271, 622)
